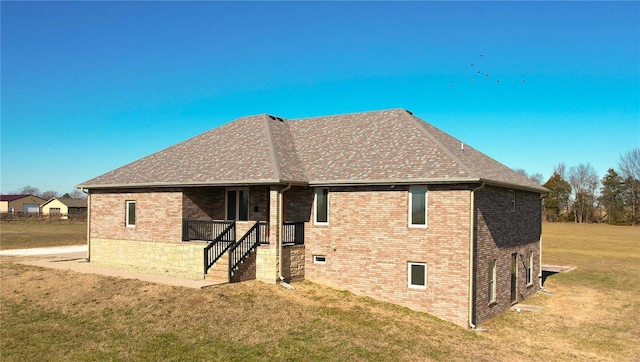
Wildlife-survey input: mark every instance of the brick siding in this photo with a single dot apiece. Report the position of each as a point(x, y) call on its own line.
point(368, 244)
point(500, 232)
point(158, 215)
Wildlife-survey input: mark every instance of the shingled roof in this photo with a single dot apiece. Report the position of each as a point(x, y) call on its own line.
point(380, 147)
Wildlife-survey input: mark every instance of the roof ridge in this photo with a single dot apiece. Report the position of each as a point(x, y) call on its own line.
point(443, 148)
point(348, 114)
point(275, 165)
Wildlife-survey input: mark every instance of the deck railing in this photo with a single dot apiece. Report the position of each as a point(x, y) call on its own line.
point(206, 230)
point(293, 233)
point(258, 234)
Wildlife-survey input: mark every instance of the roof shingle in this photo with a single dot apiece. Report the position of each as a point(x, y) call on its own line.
point(390, 146)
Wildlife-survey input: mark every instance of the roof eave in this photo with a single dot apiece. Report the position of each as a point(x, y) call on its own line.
point(385, 182)
point(220, 183)
point(428, 181)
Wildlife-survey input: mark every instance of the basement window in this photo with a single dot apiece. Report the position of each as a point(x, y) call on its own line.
point(130, 218)
point(417, 275)
point(319, 259)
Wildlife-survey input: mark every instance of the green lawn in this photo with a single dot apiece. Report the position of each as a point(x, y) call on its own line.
point(60, 315)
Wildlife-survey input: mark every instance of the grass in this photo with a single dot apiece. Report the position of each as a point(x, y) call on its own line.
point(19, 235)
point(60, 315)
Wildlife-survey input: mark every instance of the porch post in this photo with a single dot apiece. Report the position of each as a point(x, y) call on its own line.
point(267, 255)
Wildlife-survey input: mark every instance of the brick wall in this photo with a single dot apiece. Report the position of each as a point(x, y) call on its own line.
point(500, 232)
point(368, 244)
point(158, 215)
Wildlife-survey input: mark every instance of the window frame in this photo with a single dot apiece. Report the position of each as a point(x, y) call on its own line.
point(513, 200)
point(410, 285)
point(491, 282)
point(317, 259)
point(238, 191)
point(127, 218)
point(426, 207)
point(316, 192)
point(529, 268)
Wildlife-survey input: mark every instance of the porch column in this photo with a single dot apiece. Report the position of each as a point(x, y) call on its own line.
point(267, 255)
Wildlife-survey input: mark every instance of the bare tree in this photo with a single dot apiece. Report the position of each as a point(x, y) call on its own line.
point(629, 165)
point(49, 194)
point(77, 194)
point(560, 169)
point(584, 183)
point(536, 177)
point(28, 190)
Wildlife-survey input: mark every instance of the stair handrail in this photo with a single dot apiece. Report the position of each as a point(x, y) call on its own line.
point(211, 257)
point(243, 247)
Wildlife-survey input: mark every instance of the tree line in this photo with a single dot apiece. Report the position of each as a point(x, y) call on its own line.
point(578, 195)
point(49, 194)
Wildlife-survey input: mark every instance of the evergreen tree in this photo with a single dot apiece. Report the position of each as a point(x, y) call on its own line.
point(611, 197)
point(557, 202)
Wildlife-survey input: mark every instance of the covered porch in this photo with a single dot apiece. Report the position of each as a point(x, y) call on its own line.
point(242, 229)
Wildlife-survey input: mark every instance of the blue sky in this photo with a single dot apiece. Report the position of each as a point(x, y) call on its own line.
point(87, 87)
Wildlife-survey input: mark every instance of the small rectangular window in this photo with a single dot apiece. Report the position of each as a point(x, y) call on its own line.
point(492, 281)
point(418, 206)
point(417, 275)
point(131, 214)
point(513, 200)
point(322, 206)
point(319, 259)
point(529, 267)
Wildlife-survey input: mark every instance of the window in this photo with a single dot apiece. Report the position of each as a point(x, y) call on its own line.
point(238, 204)
point(513, 200)
point(529, 267)
point(417, 275)
point(319, 259)
point(418, 206)
point(321, 206)
point(131, 214)
point(492, 281)
point(54, 211)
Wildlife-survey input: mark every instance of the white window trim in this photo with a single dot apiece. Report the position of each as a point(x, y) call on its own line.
point(529, 268)
point(494, 275)
point(126, 220)
point(226, 203)
point(426, 208)
point(316, 259)
point(413, 286)
point(315, 206)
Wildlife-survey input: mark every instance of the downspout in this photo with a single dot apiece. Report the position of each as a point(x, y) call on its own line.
point(88, 223)
point(472, 237)
point(280, 230)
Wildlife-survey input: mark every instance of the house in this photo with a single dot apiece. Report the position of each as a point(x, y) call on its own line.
point(20, 204)
point(65, 208)
point(379, 203)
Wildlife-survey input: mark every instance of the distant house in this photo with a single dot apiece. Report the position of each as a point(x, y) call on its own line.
point(20, 204)
point(65, 208)
point(379, 203)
